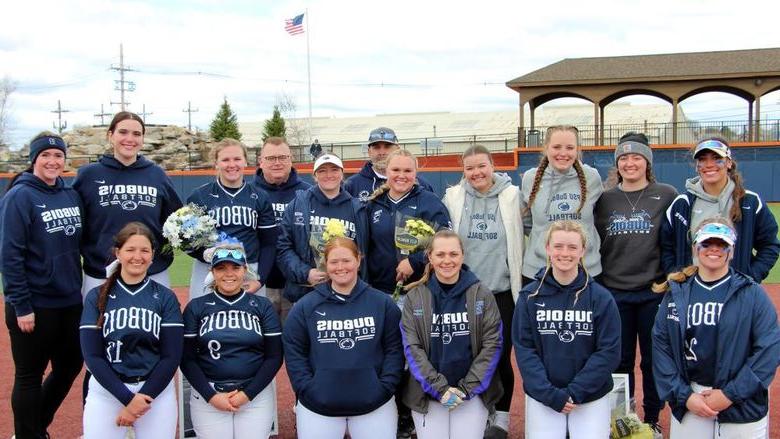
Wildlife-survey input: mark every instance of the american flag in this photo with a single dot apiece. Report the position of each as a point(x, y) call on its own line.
point(294, 26)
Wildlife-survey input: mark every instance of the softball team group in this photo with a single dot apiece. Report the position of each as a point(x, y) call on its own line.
point(600, 270)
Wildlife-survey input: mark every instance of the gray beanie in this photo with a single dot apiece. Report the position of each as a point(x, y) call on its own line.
point(634, 143)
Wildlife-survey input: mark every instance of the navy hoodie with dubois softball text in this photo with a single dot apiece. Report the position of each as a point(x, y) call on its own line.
point(42, 229)
point(566, 350)
point(343, 352)
point(113, 195)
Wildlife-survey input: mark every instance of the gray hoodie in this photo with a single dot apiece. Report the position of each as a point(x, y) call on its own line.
point(706, 205)
point(558, 198)
point(483, 234)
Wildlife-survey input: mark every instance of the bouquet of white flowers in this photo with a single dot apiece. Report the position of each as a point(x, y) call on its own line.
point(190, 228)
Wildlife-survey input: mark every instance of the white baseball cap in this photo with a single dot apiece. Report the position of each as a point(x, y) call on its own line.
point(716, 231)
point(328, 158)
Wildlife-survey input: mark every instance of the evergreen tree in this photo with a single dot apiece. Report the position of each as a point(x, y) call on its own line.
point(274, 127)
point(225, 124)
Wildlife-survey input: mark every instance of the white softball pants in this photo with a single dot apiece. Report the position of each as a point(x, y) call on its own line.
point(102, 409)
point(588, 421)
point(693, 426)
point(466, 421)
point(253, 420)
point(379, 424)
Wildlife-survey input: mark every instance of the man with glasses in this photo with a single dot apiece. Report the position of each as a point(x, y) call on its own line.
point(381, 142)
point(276, 176)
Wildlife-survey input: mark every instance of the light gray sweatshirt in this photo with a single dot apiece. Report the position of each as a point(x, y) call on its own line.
point(558, 198)
point(483, 234)
point(706, 205)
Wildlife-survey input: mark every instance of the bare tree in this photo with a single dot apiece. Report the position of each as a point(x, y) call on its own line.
point(297, 133)
point(7, 87)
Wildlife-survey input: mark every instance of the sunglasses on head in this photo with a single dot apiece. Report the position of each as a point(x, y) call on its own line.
point(229, 252)
point(714, 145)
point(382, 135)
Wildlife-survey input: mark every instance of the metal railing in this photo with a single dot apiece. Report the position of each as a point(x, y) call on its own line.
point(663, 133)
point(658, 134)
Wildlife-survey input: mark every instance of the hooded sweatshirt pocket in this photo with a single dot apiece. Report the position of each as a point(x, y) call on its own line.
point(345, 391)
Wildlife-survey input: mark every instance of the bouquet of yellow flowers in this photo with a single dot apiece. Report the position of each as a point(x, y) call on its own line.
point(320, 235)
point(411, 235)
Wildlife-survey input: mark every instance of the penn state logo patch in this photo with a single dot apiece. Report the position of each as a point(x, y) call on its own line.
point(346, 344)
point(566, 336)
point(564, 206)
point(363, 195)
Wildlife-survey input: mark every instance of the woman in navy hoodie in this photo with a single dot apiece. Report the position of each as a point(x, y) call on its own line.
point(342, 348)
point(400, 195)
point(41, 227)
point(121, 187)
point(451, 330)
point(311, 210)
point(566, 334)
point(716, 343)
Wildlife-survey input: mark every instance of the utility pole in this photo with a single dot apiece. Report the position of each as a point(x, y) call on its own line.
point(122, 85)
point(143, 113)
point(60, 124)
point(101, 115)
point(189, 112)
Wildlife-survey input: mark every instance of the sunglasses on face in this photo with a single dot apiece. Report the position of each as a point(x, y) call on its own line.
point(229, 252)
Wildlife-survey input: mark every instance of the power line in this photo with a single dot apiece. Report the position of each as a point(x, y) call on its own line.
point(102, 114)
point(189, 112)
point(60, 124)
point(121, 85)
point(143, 113)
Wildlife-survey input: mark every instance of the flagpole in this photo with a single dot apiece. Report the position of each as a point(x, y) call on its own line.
point(308, 66)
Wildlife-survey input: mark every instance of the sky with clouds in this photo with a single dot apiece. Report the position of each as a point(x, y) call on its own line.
point(367, 57)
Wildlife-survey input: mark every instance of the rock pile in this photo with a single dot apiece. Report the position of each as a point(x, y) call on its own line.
point(171, 147)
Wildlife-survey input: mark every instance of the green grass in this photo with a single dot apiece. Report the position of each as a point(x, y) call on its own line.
point(180, 270)
point(774, 275)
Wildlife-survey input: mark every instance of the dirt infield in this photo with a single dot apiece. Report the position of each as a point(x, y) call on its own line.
point(67, 424)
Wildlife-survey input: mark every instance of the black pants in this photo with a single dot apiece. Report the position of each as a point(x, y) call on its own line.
point(506, 307)
point(34, 400)
point(637, 314)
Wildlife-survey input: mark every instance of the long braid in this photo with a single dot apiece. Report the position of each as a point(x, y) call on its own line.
point(543, 163)
point(735, 213)
point(541, 282)
point(677, 276)
point(424, 279)
point(107, 286)
point(583, 184)
point(587, 281)
point(381, 190)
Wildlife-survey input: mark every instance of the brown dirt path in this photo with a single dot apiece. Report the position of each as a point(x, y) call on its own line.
point(67, 424)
